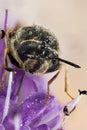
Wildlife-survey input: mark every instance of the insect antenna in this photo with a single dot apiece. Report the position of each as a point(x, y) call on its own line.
point(69, 63)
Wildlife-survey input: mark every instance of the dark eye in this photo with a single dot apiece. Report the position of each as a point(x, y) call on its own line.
point(54, 61)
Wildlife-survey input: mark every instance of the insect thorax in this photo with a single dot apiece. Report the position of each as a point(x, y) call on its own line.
point(34, 48)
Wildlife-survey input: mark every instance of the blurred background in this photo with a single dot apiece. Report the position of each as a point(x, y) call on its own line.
point(68, 20)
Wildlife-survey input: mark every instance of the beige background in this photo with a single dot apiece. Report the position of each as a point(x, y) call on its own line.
point(68, 20)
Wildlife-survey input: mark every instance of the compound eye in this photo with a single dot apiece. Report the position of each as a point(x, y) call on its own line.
point(2, 34)
point(54, 61)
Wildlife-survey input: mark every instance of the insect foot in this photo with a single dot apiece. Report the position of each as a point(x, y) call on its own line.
point(70, 107)
point(84, 92)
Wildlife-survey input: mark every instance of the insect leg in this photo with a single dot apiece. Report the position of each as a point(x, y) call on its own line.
point(3, 80)
point(49, 82)
point(66, 85)
point(48, 87)
point(5, 72)
point(20, 84)
point(61, 129)
point(6, 68)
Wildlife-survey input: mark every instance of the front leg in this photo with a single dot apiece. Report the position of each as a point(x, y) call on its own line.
point(49, 83)
point(6, 68)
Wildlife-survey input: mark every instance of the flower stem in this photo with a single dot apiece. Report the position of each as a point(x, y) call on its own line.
point(17, 122)
point(6, 17)
point(7, 100)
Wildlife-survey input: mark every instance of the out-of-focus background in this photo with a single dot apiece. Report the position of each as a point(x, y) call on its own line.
point(68, 20)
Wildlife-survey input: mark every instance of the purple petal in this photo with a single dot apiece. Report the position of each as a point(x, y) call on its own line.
point(43, 127)
point(31, 84)
point(2, 127)
point(35, 114)
point(2, 101)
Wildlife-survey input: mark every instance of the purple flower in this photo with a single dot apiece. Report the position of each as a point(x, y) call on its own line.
point(32, 112)
point(27, 109)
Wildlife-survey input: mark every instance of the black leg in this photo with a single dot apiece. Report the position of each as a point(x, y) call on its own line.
point(20, 84)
